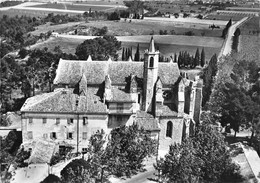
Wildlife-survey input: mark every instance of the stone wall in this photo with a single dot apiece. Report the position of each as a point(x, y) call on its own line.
point(177, 131)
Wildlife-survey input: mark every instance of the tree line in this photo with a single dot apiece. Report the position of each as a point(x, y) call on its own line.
point(235, 98)
point(185, 60)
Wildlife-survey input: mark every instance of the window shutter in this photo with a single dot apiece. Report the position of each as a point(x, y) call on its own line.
point(57, 121)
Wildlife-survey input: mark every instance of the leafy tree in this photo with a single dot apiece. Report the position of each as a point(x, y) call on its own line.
point(180, 164)
point(123, 155)
point(232, 97)
point(100, 48)
point(126, 150)
point(114, 16)
point(98, 157)
point(51, 179)
point(202, 58)
point(176, 15)
point(21, 156)
point(77, 171)
point(199, 16)
point(217, 164)
point(135, 6)
point(5, 48)
point(23, 52)
point(137, 54)
point(202, 158)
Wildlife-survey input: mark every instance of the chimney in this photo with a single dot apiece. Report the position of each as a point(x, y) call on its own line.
point(108, 86)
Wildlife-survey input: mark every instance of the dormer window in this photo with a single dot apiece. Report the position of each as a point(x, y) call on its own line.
point(151, 62)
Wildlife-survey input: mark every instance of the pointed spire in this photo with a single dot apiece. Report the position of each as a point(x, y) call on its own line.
point(108, 86)
point(89, 58)
point(107, 82)
point(83, 85)
point(152, 47)
point(133, 84)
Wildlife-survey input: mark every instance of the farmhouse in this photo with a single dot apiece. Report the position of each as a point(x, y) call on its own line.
point(102, 95)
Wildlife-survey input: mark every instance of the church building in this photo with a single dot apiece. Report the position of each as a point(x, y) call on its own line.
point(93, 95)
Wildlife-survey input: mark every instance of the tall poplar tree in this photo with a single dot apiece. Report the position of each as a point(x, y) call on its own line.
point(197, 58)
point(202, 58)
point(123, 54)
point(137, 54)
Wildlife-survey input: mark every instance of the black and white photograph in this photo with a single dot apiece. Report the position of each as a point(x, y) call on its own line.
point(130, 91)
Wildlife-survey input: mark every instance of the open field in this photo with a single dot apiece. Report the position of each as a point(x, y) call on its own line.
point(56, 28)
point(251, 27)
point(78, 7)
point(168, 45)
point(249, 47)
point(219, 16)
point(122, 28)
point(97, 2)
point(31, 12)
point(169, 49)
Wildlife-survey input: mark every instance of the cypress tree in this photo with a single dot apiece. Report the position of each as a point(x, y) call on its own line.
point(197, 58)
point(123, 54)
point(180, 60)
point(129, 53)
point(229, 24)
point(175, 57)
point(137, 54)
point(208, 76)
point(202, 58)
point(126, 54)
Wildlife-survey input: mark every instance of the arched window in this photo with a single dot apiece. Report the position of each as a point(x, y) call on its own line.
point(151, 62)
point(169, 129)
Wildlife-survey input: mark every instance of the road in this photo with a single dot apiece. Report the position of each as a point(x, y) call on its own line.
point(144, 177)
point(228, 43)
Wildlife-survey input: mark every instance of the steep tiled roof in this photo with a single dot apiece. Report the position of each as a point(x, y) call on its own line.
point(63, 100)
point(42, 152)
point(119, 95)
point(70, 71)
point(163, 110)
point(147, 121)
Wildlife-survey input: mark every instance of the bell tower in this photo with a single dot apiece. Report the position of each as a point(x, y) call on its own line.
point(151, 59)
